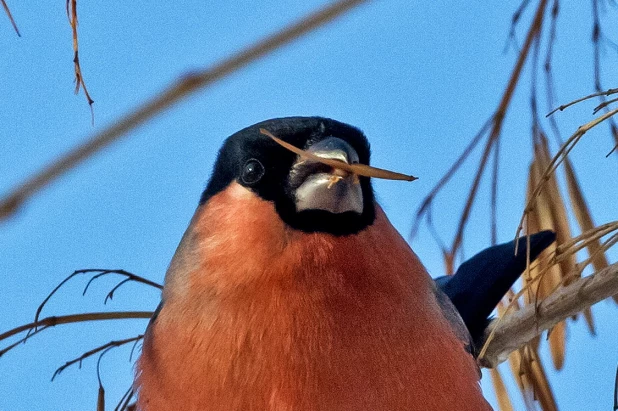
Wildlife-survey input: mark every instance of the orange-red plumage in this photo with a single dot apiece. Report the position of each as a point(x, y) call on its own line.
point(260, 316)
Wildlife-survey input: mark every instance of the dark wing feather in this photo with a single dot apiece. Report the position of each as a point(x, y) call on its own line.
point(481, 282)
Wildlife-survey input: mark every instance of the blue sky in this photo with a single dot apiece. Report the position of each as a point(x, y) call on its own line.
point(420, 78)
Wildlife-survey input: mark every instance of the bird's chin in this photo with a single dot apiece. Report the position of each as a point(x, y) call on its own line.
point(319, 186)
point(336, 193)
point(322, 197)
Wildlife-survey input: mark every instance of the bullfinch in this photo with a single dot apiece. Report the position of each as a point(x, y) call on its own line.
point(291, 290)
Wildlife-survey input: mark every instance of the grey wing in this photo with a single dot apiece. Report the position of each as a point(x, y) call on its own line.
point(457, 323)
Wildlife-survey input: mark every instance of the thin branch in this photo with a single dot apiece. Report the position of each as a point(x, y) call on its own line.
point(123, 403)
point(494, 134)
point(603, 105)
point(425, 207)
point(21, 340)
point(494, 194)
point(49, 296)
point(613, 149)
point(110, 294)
point(10, 16)
point(517, 15)
point(519, 328)
point(550, 85)
point(103, 348)
point(608, 92)
point(514, 22)
point(101, 272)
point(77, 318)
point(495, 122)
point(71, 6)
point(101, 398)
point(133, 350)
point(556, 161)
point(179, 90)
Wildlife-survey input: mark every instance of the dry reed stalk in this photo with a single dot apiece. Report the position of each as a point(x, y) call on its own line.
point(179, 90)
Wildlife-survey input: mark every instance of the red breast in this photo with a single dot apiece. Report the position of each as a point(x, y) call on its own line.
point(258, 316)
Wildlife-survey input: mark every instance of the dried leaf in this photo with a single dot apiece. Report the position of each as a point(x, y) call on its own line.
point(582, 213)
point(504, 402)
point(584, 219)
point(556, 205)
point(515, 363)
point(557, 344)
point(590, 319)
point(542, 217)
point(538, 380)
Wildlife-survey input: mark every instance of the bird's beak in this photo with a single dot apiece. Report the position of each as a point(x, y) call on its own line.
point(318, 186)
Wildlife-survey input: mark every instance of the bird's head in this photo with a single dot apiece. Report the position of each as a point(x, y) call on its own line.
point(308, 195)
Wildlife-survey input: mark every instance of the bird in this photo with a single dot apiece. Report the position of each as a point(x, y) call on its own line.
point(483, 280)
point(291, 290)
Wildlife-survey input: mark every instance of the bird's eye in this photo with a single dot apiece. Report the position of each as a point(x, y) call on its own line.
point(252, 172)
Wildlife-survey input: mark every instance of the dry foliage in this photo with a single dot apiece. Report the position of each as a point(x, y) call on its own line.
point(27, 331)
point(171, 95)
point(71, 6)
point(547, 207)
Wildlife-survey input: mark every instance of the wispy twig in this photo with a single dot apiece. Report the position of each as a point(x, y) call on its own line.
point(100, 349)
point(101, 272)
point(557, 160)
point(71, 6)
point(73, 318)
point(10, 16)
point(179, 90)
point(608, 92)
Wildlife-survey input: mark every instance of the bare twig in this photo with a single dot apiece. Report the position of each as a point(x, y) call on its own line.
point(130, 276)
point(603, 105)
point(494, 194)
point(557, 160)
point(10, 16)
point(425, 207)
point(520, 327)
point(494, 134)
point(76, 318)
point(613, 148)
point(495, 128)
point(123, 403)
point(101, 349)
point(515, 18)
point(174, 93)
point(547, 67)
point(101, 398)
point(21, 340)
point(71, 6)
point(608, 92)
point(101, 272)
